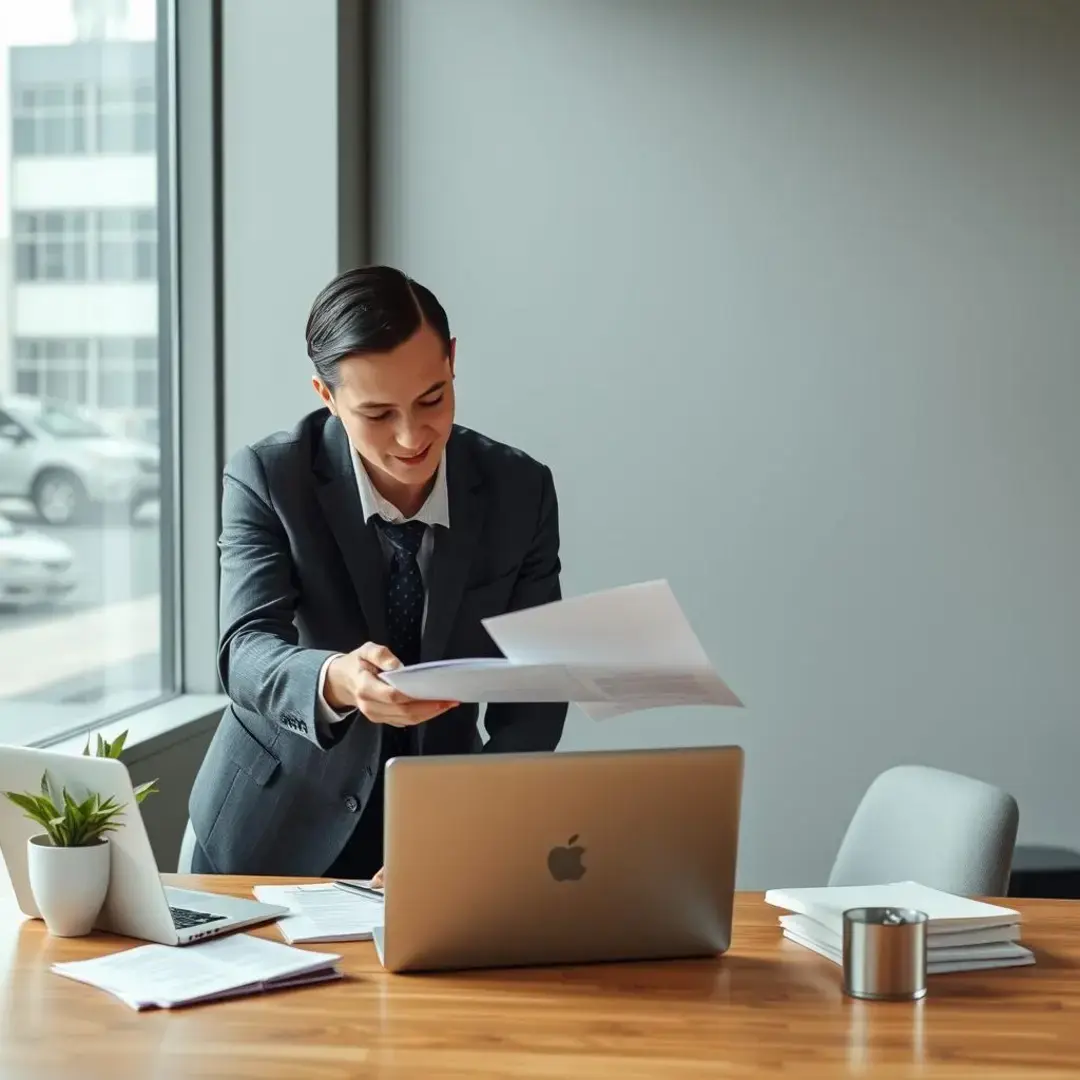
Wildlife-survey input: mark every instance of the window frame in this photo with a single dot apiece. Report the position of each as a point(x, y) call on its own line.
point(168, 241)
point(198, 382)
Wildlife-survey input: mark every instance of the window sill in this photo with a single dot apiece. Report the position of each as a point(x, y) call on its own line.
point(155, 728)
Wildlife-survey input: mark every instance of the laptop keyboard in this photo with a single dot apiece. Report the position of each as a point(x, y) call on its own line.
point(183, 918)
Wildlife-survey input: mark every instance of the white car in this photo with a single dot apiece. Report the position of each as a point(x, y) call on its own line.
point(34, 569)
point(62, 460)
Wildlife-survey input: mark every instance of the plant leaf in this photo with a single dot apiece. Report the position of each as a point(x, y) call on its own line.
point(118, 745)
point(33, 806)
point(145, 789)
point(46, 787)
point(67, 821)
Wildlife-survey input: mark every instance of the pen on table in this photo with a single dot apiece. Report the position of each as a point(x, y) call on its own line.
point(357, 887)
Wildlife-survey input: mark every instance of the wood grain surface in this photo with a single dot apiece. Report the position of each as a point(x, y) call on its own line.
point(767, 1009)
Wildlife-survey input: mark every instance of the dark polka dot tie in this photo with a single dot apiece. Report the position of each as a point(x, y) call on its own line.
point(404, 589)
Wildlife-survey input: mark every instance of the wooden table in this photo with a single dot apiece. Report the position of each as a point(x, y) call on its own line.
point(768, 1008)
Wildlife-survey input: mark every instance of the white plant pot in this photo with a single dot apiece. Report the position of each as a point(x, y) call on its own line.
point(69, 883)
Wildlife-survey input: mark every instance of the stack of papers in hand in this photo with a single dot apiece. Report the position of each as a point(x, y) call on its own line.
point(611, 652)
point(323, 912)
point(166, 976)
point(961, 934)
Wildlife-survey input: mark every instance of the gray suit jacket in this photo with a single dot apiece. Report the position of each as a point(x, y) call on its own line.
point(302, 577)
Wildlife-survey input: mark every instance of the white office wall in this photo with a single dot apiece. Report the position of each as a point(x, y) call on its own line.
point(786, 295)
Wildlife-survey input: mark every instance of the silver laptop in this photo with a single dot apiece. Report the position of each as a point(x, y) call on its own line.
point(137, 905)
point(498, 860)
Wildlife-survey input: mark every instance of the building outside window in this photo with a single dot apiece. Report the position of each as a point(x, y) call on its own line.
point(84, 118)
point(109, 373)
point(86, 600)
point(86, 245)
point(51, 245)
point(125, 118)
point(57, 368)
point(50, 119)
point(126, 245)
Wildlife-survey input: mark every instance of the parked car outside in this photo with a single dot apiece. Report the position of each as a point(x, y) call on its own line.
point(34, 568)
point(140, 426)
point(64, 461)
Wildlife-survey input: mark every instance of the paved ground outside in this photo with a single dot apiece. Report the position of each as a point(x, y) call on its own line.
point(96, 652)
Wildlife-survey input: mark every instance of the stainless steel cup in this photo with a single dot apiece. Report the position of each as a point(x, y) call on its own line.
point(885, 954)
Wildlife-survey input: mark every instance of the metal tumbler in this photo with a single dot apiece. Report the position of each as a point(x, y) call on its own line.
point(885, 954)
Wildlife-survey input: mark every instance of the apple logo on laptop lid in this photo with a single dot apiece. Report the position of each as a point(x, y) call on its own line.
point(564, 863)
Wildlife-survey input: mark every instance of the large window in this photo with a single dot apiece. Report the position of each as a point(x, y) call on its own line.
point(86, 599)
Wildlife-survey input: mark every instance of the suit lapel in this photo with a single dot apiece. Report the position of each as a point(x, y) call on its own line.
point(454, 548)
point(358, 541)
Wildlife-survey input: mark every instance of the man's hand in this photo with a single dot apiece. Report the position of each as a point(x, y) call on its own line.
point(379, 880)
point(352, 682)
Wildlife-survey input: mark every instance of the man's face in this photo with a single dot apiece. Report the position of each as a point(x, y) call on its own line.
point(398, 409)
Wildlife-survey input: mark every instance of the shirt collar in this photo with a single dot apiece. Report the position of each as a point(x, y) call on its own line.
point(436, 508)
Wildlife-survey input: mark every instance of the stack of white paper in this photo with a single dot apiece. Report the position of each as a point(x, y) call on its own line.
point(322, 912)
point(165, 976)
point(612, 652)
point(961, 934)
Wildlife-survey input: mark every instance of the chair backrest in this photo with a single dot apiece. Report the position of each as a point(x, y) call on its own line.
point(187, 850)
point(943, 830)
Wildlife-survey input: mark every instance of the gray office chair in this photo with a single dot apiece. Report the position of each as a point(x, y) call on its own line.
point(187, 850)
point(921, 824)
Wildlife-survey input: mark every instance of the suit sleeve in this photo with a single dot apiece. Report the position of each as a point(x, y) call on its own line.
point(262, 667)
point(518, 727)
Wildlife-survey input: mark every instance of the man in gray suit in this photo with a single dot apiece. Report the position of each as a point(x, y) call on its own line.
point(375, 533)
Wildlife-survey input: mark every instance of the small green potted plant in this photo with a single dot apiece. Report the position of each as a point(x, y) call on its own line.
point(68, 863)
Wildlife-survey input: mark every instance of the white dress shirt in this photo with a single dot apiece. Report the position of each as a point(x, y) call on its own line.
point(435, 511)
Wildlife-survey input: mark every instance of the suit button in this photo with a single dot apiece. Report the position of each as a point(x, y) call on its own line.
point(351, 804)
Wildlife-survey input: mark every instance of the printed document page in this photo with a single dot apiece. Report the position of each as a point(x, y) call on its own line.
point(169, 975)
point(621, 650)
point(322, 912)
